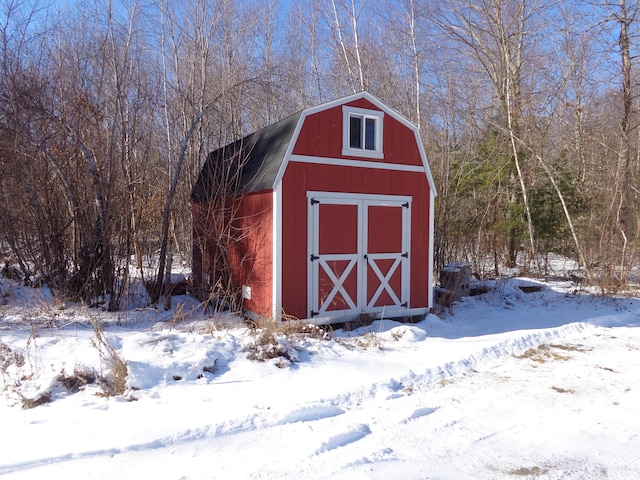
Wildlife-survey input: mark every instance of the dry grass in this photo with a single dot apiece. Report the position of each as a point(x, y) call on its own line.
point(290, 327)
point(563, 390)
point(213, 327)
point(281, 340)
point(8, 357)
point(80, 378)
point(115, 381)
point(543, 354)
point(445, 381)
point(572, 348)
point(369, 340)
point(179, 316)
point(28, 403)
point(528, 472)
point(73, 383)
point(11, 362)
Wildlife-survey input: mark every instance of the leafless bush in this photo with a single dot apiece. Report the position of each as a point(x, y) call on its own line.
point(6, 293)
point(80, 378)
point(179, 316)
point(220, 298)
point(115, 381)
point(281, 340)
point(9, 358)
point(369, 340)
point(28, 403)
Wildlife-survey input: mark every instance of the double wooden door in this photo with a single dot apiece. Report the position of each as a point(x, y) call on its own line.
point(358, 254)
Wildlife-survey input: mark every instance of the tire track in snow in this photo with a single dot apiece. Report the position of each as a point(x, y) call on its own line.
point(335, 406)
point(490, 354)
point(352, 435)
point(419, 413)
point(310, 413)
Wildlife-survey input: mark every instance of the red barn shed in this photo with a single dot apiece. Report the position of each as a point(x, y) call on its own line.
point(329, 218)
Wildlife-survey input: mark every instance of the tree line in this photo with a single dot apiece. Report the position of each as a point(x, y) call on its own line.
point(528, 110)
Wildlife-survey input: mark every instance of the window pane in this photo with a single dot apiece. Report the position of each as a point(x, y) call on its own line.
point(370, 134)
point(355, 132)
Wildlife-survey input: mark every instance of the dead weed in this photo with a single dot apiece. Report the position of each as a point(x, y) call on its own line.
point(563, 390)
point(543, 354)
point(281, 340)
point(80, 378)
point(528, 471)
point(115, 381)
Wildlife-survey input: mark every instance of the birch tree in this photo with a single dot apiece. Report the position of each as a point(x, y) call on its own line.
point(625, 16)
point(496, 33)
point(191, 57)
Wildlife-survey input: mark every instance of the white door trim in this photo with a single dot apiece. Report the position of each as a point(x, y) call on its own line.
point(361, 260)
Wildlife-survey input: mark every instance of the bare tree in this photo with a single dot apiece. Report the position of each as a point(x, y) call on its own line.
point(625, 16)
point(191, 57)
point(406, 41)
point(496, 33)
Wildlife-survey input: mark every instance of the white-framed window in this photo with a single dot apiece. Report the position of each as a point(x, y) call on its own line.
point(362, 132)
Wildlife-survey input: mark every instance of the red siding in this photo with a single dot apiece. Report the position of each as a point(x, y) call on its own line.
point(249, 253)
point(254, 250)
point(302, 177)
point(321, 136)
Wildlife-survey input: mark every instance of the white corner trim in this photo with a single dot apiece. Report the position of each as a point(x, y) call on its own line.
point(425, 162)
point(276, 277)
point(432, 198)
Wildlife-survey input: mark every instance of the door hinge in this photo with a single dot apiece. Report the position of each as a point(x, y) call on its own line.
point(313, 314)
point(405, 205)
point(314, 257)
point(404, 305)
point(314, 201)
point(405, 255)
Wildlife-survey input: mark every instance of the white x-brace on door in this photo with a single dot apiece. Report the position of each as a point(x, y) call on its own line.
point(358, 254)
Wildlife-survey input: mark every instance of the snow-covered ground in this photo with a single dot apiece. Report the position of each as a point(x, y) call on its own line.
point(505, 385)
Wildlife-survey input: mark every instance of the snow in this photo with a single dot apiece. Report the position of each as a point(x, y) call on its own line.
point(502, 385)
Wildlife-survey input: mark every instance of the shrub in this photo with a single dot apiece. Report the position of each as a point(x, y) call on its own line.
point(28, 403)
point(78, 380)
point(281, 340)
point(115, 381)
point(8, 358)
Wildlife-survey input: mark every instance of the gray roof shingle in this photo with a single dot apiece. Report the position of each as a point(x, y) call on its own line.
point(258, 157)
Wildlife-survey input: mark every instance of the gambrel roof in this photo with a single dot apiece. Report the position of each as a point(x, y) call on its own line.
point(263, 155)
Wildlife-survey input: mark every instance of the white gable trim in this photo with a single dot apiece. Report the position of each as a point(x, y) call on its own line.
point(341, 101)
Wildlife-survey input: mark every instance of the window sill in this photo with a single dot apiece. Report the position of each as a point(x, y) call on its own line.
point(362, 153)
